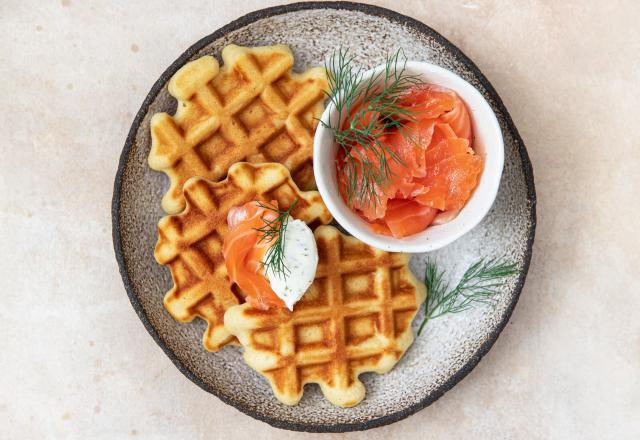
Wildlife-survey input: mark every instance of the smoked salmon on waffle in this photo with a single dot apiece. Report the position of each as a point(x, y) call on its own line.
point(191, 243)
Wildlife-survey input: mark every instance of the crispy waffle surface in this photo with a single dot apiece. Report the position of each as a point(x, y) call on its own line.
point(253, 108)
point(356, 317)
point(190, 243)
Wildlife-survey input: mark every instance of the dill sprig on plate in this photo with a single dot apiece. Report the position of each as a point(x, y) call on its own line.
point(377, 110)
point(478, 285)
point(275, 231)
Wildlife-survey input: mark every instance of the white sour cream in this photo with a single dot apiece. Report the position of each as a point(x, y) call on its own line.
point(301, 258)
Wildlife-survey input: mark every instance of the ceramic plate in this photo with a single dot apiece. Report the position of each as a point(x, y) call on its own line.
point(450, 347)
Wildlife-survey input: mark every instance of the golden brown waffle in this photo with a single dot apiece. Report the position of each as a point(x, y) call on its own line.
point(253, 109)
point(356, 317)
point(191, 243)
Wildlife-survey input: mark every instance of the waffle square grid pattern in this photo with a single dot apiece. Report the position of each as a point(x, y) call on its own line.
point(355, 318)
point(191, 243)
point(253, 109)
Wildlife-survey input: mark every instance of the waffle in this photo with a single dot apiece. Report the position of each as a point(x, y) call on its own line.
point(355, 318)
point(253, 109)
point(191, 243)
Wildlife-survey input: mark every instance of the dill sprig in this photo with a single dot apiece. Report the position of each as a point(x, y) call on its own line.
point(478, 285)
point(378, 110)
point(275, 231)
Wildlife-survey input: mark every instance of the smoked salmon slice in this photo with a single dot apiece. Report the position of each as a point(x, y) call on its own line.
point(432, 166)
point(244, 251)
point(407, 217)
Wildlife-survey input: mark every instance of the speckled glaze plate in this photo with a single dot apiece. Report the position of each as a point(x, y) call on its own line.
point(440, 357)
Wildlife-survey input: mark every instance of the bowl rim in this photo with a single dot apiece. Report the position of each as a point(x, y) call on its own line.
point(419, 242)
point(246, 20)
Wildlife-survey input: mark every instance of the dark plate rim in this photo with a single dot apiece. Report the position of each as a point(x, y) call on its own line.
point(279, 10)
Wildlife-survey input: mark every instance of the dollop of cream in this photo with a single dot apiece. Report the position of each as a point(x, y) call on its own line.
point(301, 258)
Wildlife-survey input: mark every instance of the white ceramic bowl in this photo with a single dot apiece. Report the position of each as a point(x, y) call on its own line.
point(488, 143)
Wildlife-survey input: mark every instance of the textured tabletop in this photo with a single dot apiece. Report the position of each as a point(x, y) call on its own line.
point(77, 363)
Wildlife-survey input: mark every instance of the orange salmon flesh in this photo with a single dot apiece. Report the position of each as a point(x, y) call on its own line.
point(437, 172)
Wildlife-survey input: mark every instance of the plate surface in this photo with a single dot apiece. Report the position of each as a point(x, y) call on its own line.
point(449, 348)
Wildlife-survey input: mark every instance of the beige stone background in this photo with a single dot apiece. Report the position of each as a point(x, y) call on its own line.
point(75, 361)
